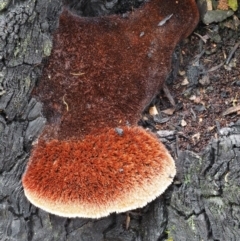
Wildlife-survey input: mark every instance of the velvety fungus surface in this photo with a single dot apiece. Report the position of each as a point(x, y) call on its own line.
point(104, 173)
point(103, 71)
point(92, 159)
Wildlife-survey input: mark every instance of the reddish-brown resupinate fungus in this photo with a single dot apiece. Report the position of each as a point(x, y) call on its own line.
point(92, 159)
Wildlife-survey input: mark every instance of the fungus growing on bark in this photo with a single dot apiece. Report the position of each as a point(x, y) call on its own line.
point(98, 175)
point(92, 159)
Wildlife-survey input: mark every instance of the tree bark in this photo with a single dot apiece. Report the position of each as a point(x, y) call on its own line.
point(202, 204)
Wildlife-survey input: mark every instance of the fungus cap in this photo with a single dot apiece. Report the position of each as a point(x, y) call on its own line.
point(102, 174)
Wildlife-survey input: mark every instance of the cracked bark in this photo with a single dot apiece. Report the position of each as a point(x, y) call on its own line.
point(202, 205)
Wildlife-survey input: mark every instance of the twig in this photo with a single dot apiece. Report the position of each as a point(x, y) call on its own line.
point(168, 94)
point(232, 52)
point(213, 68)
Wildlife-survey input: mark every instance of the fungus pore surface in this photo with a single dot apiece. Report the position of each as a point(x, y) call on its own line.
point(101, 174)
point(92, 159)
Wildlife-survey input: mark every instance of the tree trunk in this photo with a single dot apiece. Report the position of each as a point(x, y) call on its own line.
point(202, 204)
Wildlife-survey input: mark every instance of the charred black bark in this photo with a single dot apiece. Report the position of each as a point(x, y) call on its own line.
point(206, 204)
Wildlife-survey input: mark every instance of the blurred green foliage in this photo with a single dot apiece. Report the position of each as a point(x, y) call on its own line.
point(233, 4)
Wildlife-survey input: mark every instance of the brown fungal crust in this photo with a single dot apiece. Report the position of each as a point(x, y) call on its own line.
point(101, 74)
point(103, 71)
point(102, 174)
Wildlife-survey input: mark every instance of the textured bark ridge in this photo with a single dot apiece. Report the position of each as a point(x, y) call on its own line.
point(206, 205)
point(92, 159)
point(202, 205)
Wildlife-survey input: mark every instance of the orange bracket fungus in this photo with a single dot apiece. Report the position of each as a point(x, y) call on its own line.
point(92, 158)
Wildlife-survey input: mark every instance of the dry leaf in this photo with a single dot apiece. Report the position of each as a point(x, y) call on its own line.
point(222, 5)
point(169, 111)
point(193, 97)
point(181, 73)
point(210, 128)
point(236, 22)
point(231, 110)
point(153, 110)
point(232, 23)
point(198, 100)
point(204, 80)
point(209, 5)
point(185, 82)
point(196, 137)
point(183, 123)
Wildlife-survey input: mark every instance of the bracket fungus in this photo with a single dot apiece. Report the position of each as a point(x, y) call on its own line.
point(92, 158)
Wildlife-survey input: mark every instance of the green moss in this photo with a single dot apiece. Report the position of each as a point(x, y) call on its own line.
point(47, 47)
point(4, 4)
point(187, 179)
point(233, 4)
point(28, 82)
point(168, 232)
point(191, 223)
point(21, 47)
